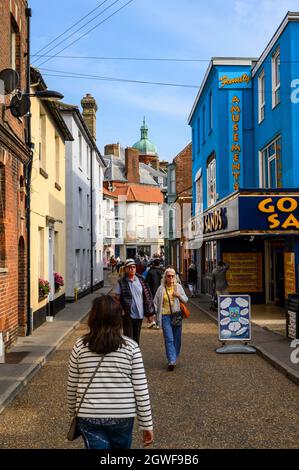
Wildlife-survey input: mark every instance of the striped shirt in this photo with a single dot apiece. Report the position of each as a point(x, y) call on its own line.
point(119, 388)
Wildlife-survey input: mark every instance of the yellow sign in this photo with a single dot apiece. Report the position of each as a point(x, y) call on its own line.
point(225, 80)
point(236, 148)
point(245, 273)
point(277, 208)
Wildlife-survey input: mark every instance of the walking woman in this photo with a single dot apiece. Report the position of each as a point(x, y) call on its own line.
point(167, 302)
point(118, 391)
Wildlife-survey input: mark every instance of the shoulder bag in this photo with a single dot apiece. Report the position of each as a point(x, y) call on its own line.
point(175, 317)
point(74, 431)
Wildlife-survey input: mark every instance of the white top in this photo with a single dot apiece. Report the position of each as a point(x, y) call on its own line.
point(158, 300)
point(119, 388)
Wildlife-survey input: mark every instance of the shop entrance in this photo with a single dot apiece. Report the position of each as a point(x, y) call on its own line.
point(276, 294)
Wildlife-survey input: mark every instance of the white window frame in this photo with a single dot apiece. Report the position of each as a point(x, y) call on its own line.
point(199, 194)
point(261, 96)
point(275, 78)
point(211, 182)
point(263, 178)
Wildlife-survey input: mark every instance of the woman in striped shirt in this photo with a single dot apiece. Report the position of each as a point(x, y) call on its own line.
point(119, 390)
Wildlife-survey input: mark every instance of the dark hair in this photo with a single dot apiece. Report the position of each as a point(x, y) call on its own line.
point(105, 325)
point(220, 263)
point(156, 262)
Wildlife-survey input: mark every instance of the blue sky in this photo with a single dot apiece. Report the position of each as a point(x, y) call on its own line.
point(189, 29)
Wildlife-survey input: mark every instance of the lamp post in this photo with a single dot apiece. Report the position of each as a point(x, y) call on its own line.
point(48, 95)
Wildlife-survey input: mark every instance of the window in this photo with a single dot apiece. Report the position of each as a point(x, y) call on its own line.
point(160, 231)
point(80, 207)
point(88, 156)
point(57, 158)
point(108, 231)
point(203, 124)
point(198, 202)
point(87, 211)
point(276, 77)
point(116, 211)
point(271, 165)
point(160, 210)
point(211, 181)
point(15, 47)
point(41, 251)
point(211, 111)
point(198, 134)
point(80, 149)
point(140, 210)
point(140, 231)
point(117, 229)
point(2, 191)
point(77, 268)
point(42, 140)
point(56, 266)
point(83, 272)
point(261, 96)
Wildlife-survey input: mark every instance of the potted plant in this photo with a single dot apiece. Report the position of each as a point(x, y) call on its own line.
point(44, 288)
point(58, 280)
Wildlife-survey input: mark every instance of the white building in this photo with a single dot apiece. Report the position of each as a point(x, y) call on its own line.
point(84, 201)
point(109, 227)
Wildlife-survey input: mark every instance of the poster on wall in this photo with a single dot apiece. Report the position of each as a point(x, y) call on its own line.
point(289, 274)
point(234, 314)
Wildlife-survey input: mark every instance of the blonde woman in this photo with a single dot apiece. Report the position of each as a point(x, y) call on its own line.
point(167, 300)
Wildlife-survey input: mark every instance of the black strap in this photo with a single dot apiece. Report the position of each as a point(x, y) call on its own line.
point(91, 379)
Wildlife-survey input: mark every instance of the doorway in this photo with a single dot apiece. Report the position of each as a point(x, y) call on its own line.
point(276, 294)
point(131, 253)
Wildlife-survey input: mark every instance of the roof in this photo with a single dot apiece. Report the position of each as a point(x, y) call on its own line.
point(116, 171)
point(107, 193)
point(139, 193)
point(74, 109)
point(51, 106)
point(234, 61)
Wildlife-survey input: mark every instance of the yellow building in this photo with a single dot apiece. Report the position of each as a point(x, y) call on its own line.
point(47, 215)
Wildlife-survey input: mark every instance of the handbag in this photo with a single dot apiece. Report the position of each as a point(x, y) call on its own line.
point(74, 431)
point(175, 317)
point(185, 311)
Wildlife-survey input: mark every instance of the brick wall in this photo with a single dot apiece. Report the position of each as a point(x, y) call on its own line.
point(183, 171)
point(13, 155)
point(132, 165)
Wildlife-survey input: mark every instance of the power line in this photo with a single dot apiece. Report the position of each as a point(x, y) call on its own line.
point(96, 26)
point(75, 24)
point(83, 26)
point(112, 79)
point(122, 58)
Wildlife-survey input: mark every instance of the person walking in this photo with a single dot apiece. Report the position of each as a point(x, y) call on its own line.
point(136, 299)
point(153, 280)
point(219, 278)
point(167, 302)
point(192, 279)
point(118, 391)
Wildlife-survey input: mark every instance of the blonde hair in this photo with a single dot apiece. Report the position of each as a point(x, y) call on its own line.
point(167, 270)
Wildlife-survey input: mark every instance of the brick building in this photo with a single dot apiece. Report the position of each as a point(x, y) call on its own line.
point(14, 155)
point(179, 200)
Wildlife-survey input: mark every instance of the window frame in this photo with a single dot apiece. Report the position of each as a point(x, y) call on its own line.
point(275, 69)
point(261, 97)
point(211, 178)
point(265, 164)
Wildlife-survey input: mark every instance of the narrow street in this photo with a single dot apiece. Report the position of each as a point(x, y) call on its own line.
point(209, 401)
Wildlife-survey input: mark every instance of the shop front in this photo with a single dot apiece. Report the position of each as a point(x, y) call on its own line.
point(256, 233)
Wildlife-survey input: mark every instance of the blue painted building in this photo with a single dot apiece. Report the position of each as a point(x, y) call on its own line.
point(245, 141)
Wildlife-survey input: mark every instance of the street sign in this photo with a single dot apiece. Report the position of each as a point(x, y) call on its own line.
point(234, 313)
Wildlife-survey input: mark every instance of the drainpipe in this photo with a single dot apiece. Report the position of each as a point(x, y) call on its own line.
point(28, 176)
point(91, 222)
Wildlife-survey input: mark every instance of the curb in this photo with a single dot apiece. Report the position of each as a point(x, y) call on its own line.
point(272, 360)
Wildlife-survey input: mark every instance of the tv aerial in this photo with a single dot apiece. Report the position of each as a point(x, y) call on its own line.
point(9, 80)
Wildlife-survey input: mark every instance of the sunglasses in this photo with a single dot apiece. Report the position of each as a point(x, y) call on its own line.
point(170, 275)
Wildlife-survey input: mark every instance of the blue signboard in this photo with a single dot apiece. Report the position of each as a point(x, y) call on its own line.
point(235, 79)
point(234, 317)
point(267, 212)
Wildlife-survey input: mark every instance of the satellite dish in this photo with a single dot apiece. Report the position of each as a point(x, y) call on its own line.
point(10, 79)
point(19, 106)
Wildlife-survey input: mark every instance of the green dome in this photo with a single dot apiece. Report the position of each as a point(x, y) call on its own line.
point(144, 145)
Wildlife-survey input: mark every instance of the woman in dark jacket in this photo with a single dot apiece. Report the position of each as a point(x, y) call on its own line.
point(192, 279)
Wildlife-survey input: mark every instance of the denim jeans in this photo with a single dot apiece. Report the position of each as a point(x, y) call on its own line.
point(172, 338)
point(110, 433)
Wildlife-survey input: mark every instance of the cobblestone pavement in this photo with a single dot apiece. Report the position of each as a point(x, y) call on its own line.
point(209, 401)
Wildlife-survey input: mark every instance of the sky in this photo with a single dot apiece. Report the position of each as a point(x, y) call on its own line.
point(158, 29)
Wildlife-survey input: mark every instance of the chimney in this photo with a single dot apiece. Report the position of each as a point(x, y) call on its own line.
point(132, 165)
point(112, 149)
point(90, 108)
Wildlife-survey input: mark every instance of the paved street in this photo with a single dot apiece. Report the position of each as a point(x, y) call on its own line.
point(209, 401)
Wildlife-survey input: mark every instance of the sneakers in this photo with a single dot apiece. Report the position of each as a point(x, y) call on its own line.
point(171, 367)
point(152, 324)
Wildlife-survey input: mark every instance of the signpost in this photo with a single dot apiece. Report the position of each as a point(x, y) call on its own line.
point(234, 312)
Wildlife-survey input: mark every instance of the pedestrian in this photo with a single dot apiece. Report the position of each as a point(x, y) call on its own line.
point(192, 279)
point(118, 391)
point(136, 299)
point(153, 280)
point(219, 278)
point(167, 302)
point(112, 263)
